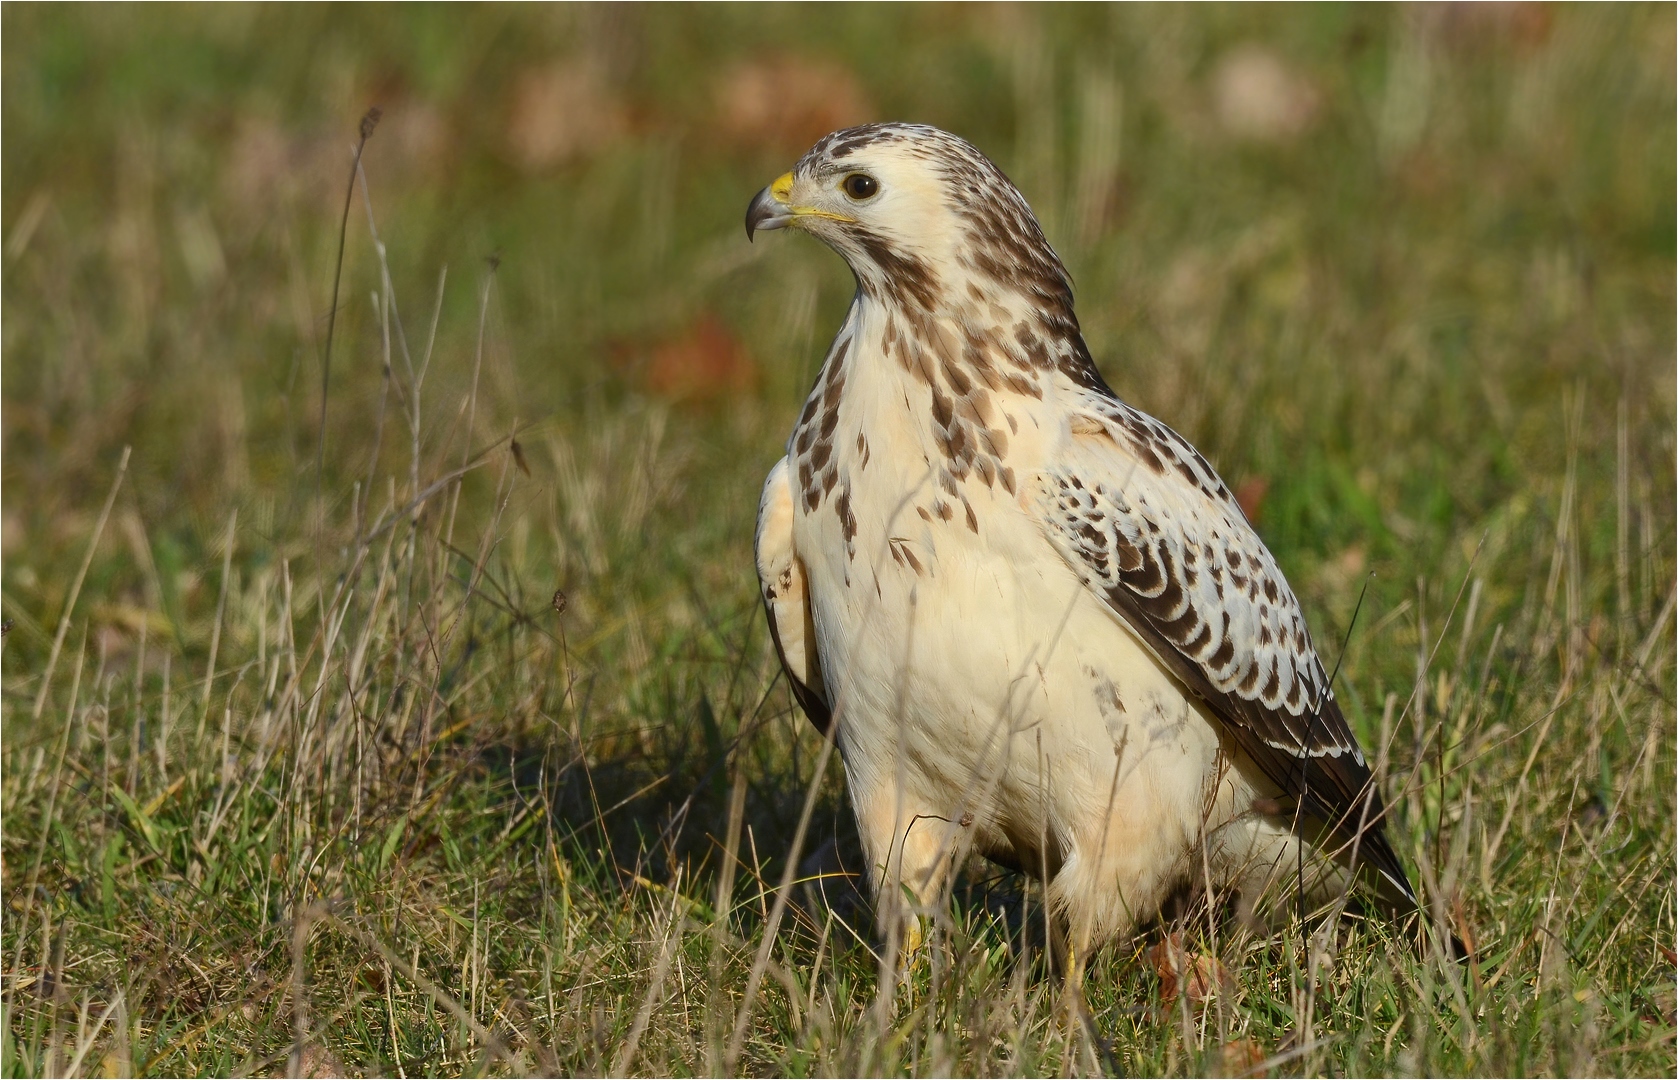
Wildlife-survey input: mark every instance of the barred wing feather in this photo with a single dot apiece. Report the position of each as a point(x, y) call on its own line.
point(1148, 525)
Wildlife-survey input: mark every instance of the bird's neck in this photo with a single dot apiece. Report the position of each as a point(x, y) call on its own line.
point(970, 391)
point(980, 339)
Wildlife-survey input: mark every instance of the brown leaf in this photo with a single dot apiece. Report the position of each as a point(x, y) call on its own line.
point(1181, 971)
point(706, 362)
point(1521, 28)
point(561, 113)
point(1242, 1057)
point(1260, 98)
point(374, 976)
point(1250, 494)
point(321, 1062)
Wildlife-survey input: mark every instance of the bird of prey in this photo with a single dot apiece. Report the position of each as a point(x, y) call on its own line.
point(1044, 628)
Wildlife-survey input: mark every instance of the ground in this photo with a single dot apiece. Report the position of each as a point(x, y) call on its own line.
point(300, 775)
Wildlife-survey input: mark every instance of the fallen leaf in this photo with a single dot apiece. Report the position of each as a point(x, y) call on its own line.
point(1242, 1057)
point(1191, 974)
point(705, 362)
point(320, 1062)
point(1259, 98)
point(561, 113)
point(1468, 27)
point(1250, 494)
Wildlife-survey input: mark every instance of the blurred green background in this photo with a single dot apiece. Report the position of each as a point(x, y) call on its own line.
point(1404, 273)
point(1360, 253)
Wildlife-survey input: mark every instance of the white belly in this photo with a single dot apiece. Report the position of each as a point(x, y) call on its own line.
point(972, 673)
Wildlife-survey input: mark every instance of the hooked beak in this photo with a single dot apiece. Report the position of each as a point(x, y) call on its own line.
point(770, 208)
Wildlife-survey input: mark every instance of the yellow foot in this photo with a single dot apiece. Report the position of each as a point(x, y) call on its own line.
point(912, 956)
point(914, 937)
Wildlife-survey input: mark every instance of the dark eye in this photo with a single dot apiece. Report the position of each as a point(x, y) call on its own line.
point(860, 186)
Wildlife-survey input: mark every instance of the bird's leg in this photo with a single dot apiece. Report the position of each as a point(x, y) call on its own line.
point(1071, 950)
point(911, 854)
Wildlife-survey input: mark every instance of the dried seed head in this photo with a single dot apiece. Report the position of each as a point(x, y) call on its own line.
point(559, 600)
point(370, 121)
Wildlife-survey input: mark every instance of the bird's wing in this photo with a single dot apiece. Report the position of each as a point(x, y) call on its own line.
point(786, 600)
point(1148, 525)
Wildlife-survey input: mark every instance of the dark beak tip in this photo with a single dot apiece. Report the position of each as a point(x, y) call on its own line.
point(763, 212)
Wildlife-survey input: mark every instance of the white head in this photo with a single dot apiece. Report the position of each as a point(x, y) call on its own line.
point(921, 216)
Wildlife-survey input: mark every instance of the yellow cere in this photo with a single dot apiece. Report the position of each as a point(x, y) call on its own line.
point(781, 189)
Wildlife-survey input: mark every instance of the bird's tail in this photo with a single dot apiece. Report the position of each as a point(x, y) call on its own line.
point(1392, 888)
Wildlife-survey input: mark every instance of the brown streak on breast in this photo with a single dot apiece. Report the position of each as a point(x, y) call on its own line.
point(835, 387)
point(943, 410)
point(902, 552)
point(956, 445)
point(847, 520)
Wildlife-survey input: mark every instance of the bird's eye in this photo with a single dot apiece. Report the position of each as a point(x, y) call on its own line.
point(860, 186)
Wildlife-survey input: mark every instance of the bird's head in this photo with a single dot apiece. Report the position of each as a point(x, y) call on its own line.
point(921, 216)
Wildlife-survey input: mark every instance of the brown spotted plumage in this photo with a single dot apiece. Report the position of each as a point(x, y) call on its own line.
point(1040, 621)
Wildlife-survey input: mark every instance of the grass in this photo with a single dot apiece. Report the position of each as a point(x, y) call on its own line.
point(320, 773)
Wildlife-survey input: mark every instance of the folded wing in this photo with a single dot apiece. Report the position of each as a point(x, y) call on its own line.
point(1148, 525)
point(786, 600)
